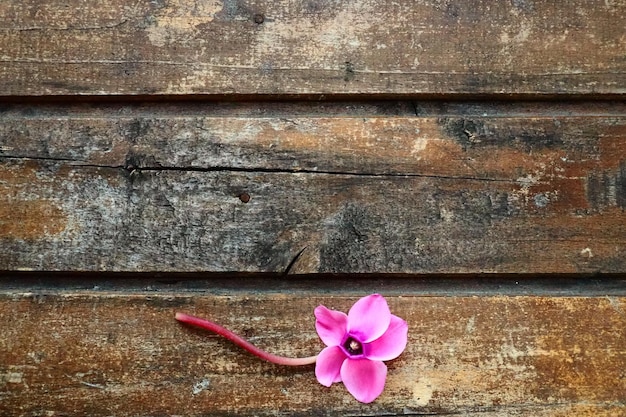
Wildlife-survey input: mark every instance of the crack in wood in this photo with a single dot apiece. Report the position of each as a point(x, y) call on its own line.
point(69, 28)
point(131, 168)
point(294, 260)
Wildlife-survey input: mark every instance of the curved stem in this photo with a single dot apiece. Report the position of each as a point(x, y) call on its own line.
point(243, 343)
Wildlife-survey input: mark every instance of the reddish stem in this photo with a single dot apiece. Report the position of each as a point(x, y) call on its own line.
point(241, 342)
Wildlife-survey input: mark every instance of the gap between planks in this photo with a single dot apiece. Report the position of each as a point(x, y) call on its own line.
point(163, 283)
point(120, 107)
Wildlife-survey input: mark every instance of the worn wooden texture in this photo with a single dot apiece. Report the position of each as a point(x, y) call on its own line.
point(524, 142)
point(108, 353)
point(481, 188)
point(317, 47)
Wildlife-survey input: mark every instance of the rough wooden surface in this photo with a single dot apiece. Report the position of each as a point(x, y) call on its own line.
point(111, 353)
point(471, 188)
point(316, 47)
point(522, 142)
point(88, 186)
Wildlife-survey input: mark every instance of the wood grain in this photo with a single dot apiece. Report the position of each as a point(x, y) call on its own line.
point(317, 47)
point(160, 138)
point(524, 143)
point(103, 353)
point(109, 219)
point(471, 189)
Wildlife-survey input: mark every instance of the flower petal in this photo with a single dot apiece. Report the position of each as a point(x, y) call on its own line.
point(328, 365)
point(369, 318)
point(391, 344)
point(363, 378)
point(331, 325)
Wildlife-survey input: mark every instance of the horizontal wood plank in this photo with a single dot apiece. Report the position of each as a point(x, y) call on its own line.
point(103, 353)
point(526, 143)
point(256, 47)
point(468, 189)
point(59, 217)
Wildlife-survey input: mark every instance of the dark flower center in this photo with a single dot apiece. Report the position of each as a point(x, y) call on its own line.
point(353, 346)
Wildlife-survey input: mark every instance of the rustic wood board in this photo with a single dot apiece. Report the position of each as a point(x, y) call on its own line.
point(111, 353)
point(473, 188)
point(521, 142)
point(317, 47)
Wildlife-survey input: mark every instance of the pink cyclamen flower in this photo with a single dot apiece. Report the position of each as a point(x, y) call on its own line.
point(357, 344)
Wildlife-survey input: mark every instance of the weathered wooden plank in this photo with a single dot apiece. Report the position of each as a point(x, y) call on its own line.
point(104, 353)
point(316, 47)
point(61, 217)
point(528, 144)
point(477, 188)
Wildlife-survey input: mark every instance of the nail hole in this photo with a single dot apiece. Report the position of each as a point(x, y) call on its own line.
point(259, 18)
point(244, 197)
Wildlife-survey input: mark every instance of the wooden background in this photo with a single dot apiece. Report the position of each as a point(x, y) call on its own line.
point(248, 160)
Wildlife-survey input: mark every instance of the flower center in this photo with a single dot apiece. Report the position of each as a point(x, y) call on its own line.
point(353, 346)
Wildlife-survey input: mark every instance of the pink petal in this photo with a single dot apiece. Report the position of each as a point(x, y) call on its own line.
point(331, 325)
point(391, 344)
point(328, 365)
point(363, 378)
point(369, 318)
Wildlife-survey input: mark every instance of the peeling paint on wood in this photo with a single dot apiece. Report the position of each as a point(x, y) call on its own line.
point(98, 354)
point(218, 47)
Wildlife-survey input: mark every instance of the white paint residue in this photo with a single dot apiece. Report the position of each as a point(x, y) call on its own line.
point(11, 377)
point(419, 145)
point(528, 181)
point(321, 41)
point(586, 252)
point(446, 215)
point(541, 200)
point(418, 388)
point(422, 392)
point(523, 34)
point(179, 20)
point(615, 304)
point(35, 357)
point(512, 352)
point(201, 386)
point(471, 325)
point(513, 39)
